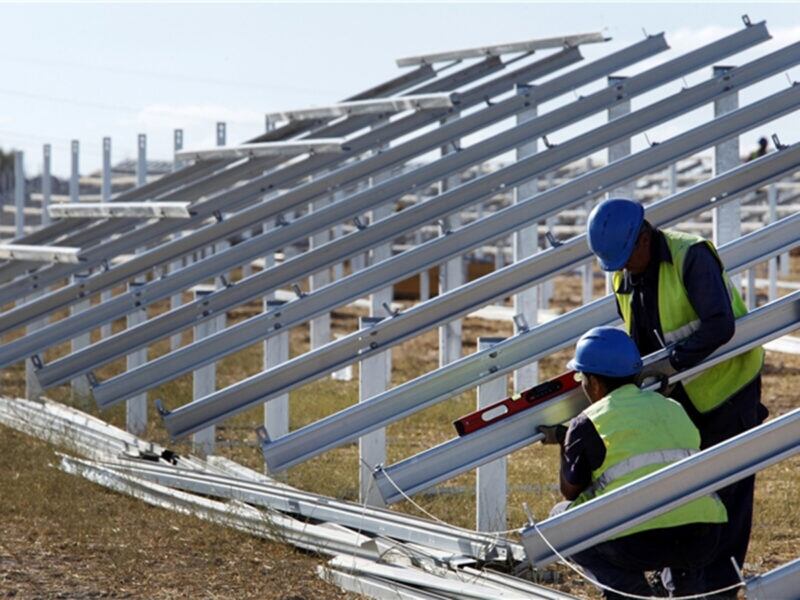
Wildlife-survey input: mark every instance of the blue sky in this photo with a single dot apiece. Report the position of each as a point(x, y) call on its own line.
point(88, 70)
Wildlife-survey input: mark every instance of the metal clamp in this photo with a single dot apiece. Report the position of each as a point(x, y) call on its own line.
point(521, 322)
point(551, 239)
point(360, 225)
point(389, 310)
point(297, 291)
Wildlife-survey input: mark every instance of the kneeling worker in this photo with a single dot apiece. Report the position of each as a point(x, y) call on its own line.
point(624, 435)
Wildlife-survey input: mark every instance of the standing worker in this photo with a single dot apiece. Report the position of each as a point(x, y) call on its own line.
point(625, 434)
point(671, 288)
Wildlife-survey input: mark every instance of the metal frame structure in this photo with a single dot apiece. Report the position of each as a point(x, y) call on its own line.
point(435, 386)
point(257, 285)
point(237, 397)
point(238, 198)
point(781, 582)
point(458, 455)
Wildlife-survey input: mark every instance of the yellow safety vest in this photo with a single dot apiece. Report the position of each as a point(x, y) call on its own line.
point(643, 432)
point(678, 320)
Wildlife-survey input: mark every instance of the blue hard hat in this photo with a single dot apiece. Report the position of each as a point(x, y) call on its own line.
point(606, 351)
point(613, 228)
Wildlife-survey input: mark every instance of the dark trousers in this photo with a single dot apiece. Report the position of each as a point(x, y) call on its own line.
point(621, 563)
point(741, 412)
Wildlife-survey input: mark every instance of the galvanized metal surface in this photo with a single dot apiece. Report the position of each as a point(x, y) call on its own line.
point(781, 583)
point(53, 254)
point(126, 210)
point(365, 107)
point(500, 49)
point(287, 148)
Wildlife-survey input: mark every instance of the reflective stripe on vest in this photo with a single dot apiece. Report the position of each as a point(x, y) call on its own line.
point(634, 463)
point(678, 320)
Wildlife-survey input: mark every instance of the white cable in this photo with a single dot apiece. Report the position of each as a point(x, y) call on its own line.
point(576, 568)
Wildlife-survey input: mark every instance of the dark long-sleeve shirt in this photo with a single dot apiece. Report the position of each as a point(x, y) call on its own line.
point(706, 290)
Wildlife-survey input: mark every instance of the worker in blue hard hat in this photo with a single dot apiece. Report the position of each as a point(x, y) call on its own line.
point(625, 434)
point(672, 290)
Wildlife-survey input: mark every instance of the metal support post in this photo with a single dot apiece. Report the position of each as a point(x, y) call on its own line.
point(136, 406)
point(47, 184)
point(176, 299)
point(490, 481)
point(74, 178)
point(525, 243)
point(105, 196)
point(615, 152)
point(221, 133)
point(726, 219)
point(546, 289)
point(772, 265)
point(276, 352)
point(80, 385)
point(141, 160)
point(372, 380)
point(204, 382)
point(19, 194)
point(451, 273)
point(320, 327)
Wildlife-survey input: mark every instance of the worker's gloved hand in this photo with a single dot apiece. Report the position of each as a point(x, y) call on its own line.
point(553, 434)
point(658, 372)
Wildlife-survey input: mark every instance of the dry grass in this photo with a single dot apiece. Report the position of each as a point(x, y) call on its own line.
point(64, 534)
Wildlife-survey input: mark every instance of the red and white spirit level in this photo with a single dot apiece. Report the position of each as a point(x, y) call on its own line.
point(516, 403)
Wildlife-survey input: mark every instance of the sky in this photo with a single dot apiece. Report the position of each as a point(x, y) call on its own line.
point(85, 71)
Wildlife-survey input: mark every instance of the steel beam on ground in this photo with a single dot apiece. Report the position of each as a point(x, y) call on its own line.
point(366, 107)
point(369, 519)
point(500, 49)
point(253, 191)
point(461, 454)
point(411, 262)
point(53, 254)
point(204, 178)
point(490, 479)
point(280, 238)
point(287, 148)
point(122, 210)
point(693, 477)
point(372, 380)
point(781, 582)
point(433, 387)
point(420, 214)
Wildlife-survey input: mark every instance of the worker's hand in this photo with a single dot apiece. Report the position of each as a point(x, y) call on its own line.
point(553, 434)
point(658, 372)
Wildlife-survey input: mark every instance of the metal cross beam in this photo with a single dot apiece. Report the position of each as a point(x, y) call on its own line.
point(287, 148)
point(459, 455)
point(52, 254)
point(500, 49)
point(237, 397)
point(366, 107)
point(255, 286)
point(354, 421)
point(693, 477)
point(121, 210)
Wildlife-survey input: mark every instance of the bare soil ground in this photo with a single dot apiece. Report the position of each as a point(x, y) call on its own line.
point(61, 536)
